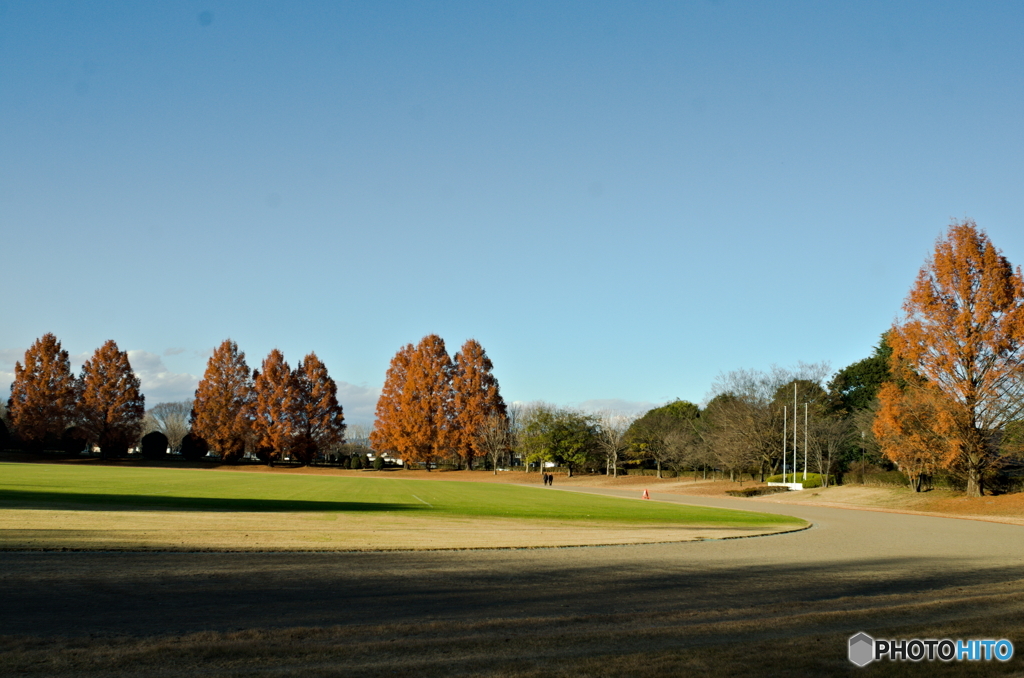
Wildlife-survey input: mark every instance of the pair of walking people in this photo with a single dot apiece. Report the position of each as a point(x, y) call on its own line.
point(549, 479)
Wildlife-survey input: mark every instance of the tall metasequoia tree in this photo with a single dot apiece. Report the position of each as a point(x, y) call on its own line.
point(219, 411)
point(388, 434)
point(963, 332)
point(44, 394)
point(112, 406)
point(276, 407)
point(321, 422)
point(415, 407)
point(476, 398)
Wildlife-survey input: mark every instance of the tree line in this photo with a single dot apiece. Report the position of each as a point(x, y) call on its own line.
point(942, 393)
point(52, 407)
point(436, 407)
point(271, 413)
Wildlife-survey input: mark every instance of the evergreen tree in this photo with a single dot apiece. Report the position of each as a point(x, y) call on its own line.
point(856, 386)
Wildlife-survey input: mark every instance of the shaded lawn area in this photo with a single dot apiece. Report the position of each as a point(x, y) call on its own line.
point(114, 488)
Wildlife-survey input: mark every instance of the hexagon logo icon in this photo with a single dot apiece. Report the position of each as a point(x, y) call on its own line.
point(862, 649)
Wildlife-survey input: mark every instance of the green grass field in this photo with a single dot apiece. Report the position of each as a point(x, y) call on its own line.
point(118, 488)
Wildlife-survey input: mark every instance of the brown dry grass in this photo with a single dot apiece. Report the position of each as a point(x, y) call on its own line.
point(802, 639)
point(48, 529)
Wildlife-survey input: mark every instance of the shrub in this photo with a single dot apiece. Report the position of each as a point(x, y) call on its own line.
point(355, 462)
point(812, 480)
point(756, 491)
point(193, 448)
point(886, 479)
point(74, 440)
point(378, 464)
point(665, 473)
point(154, 445)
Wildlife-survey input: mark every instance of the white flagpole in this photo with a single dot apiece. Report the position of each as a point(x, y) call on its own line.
point(805, 441)
point(785, 432)
point(794, 431)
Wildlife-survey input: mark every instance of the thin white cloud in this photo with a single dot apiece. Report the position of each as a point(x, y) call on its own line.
point(358, 402)
point(6, 379)
point(616, 405)
point(8, 356)
point(173, 351)
point(158, 383)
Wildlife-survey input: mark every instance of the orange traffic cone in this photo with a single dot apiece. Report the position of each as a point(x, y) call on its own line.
point(646, 496)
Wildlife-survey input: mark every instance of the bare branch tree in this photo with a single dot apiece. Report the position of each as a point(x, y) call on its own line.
point(171, 419)
point(359, 434)
point(828, 437)
point(760, 387)
point(498, 436)
point(611, 438)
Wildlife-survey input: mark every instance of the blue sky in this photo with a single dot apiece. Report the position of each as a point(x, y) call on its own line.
point(618, 200)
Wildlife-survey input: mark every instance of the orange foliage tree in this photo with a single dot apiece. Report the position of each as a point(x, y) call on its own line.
point(414, 410)
point(276, 408)
point(477, 405)
point(44, 394)
point(916, 428)
point(321, 422)
point(220, 409)
point(112, 406)
point(963, 332)
point(388, 433)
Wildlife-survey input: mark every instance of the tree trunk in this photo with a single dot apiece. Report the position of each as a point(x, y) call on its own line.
point(974, 484)
point(659, 468)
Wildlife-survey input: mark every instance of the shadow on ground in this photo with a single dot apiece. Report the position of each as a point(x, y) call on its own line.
point(120, 502)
